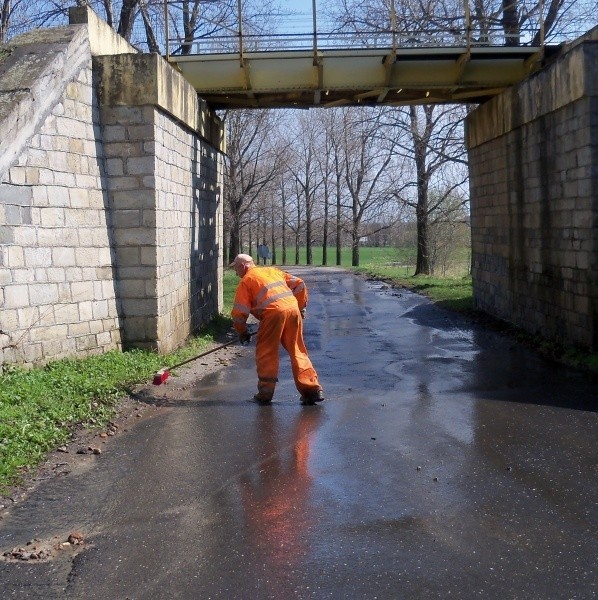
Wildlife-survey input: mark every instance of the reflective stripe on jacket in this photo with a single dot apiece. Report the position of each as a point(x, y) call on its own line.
point(266, 288)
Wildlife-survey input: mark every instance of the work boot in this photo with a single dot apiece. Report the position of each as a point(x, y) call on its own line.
point(310, 398)
point(262, 399)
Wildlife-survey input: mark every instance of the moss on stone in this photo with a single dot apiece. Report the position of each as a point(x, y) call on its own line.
point(5, 52)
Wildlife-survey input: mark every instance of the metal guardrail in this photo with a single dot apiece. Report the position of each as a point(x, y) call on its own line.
point(463, 31)
point(332, 41)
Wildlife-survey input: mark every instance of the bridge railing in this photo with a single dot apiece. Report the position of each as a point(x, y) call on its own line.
point(233, 34)
point(332, 41)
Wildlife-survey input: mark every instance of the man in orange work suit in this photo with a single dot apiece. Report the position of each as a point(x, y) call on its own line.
point(278, 300)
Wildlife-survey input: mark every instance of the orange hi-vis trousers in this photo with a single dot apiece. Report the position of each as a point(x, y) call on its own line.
point(283, 326)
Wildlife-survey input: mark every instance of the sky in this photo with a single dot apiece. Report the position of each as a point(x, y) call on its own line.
point(303, 22)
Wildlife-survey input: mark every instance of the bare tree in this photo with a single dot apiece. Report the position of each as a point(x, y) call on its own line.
point(330, 171)
point(273, 228)
point(367, 160)
point(250, 167)
point(128, 12)
point(432, 137)
point(295, 225)
point(14, 18)
point(513, 21)
point(5, 13)
point(283, 199)
point(142, 22)
point(449, 234)
point(304, 170)
point(339, 175)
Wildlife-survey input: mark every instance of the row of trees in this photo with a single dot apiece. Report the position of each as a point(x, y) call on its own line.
point(342, 170)
point(341, 175)
point(142, 22)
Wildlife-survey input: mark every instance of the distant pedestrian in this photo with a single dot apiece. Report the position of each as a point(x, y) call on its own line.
point(278, 300)
point(263, 253)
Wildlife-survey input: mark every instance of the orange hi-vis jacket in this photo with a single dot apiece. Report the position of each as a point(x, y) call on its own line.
point(266, 288)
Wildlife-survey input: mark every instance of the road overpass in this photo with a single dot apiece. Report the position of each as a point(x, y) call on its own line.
point(455, 61)
point(364, 76)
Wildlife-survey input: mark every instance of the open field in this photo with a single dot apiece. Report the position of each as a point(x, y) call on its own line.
point(397, 266)
point(400, 260)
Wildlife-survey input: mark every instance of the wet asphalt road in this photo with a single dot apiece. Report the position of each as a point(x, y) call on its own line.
point(448, 462)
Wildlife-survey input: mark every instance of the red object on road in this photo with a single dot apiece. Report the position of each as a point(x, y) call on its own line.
point(161, 376)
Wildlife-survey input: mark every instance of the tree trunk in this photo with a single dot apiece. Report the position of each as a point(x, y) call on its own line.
point(150, 37)
point(284, 228)
point(297, 233)
point(127, 18)
point(297, 247)
point(308, 249)
point(338, 216)
point(4, 20)
point(510, 23)
point(234, 240)
point(355, 247)
point(420, 143)
point(422, 265)
point(272, 237)
point(107, 4)
point(325, 232)
point(190, 19)
point(355, 236)
point(549, 21)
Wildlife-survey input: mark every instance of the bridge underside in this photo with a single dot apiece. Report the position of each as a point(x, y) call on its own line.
point(328, 78)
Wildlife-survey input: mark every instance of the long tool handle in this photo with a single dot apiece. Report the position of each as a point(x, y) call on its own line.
point(204, 354)
point(163, 374)
point(251, 333)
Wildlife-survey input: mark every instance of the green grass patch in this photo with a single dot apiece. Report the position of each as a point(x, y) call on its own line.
point(229, 285)
point(397, 266)
point(573, 357)
point(449, 292)
point(41, 407)
point(367, 255)
point(580, 359)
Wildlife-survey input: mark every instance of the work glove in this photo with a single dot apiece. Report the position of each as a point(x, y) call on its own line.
point(302, 311)
point(244, 338)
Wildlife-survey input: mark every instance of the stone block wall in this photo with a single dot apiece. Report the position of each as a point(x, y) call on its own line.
point(164, 158)
point(188, 211)
point(165, 185)
point(533, 154)
point(58, 295)
point(110, 211)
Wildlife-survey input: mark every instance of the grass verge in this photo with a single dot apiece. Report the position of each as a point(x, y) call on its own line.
point(454, 293)
point(40, 408)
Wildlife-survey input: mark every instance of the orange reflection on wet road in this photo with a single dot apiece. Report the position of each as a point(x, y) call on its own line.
point(276, 494)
